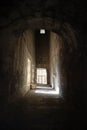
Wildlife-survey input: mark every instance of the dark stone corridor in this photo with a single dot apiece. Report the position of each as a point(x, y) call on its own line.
point(43, 77)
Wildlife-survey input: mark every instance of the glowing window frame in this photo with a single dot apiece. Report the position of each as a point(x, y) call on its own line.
point(41, 75)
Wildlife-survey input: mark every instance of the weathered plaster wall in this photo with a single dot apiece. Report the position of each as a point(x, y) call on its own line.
point(55, 42)
point(64, 63)
point(15, 52)
point(24, 50)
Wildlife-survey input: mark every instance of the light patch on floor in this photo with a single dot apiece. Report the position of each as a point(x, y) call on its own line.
point(48, 91)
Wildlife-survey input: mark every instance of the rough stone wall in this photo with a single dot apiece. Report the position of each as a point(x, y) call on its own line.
point(7, 40)
point(70, 64)
point(15, 51)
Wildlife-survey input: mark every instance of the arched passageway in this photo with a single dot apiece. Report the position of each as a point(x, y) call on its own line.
point(22, 56)
point(64, 59)
point(21, 45)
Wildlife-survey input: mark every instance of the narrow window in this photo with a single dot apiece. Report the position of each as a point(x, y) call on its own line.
point(42, 31)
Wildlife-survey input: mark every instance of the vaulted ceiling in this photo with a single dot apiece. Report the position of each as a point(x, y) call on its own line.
point(72, 11)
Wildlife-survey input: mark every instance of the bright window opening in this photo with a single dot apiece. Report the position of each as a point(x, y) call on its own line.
point(42, 31)
point(41, 76)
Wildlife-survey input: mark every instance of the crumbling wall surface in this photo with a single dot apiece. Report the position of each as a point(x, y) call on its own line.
point(15, 51)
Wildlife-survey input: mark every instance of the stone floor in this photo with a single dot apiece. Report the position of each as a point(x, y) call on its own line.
point(42, 111)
